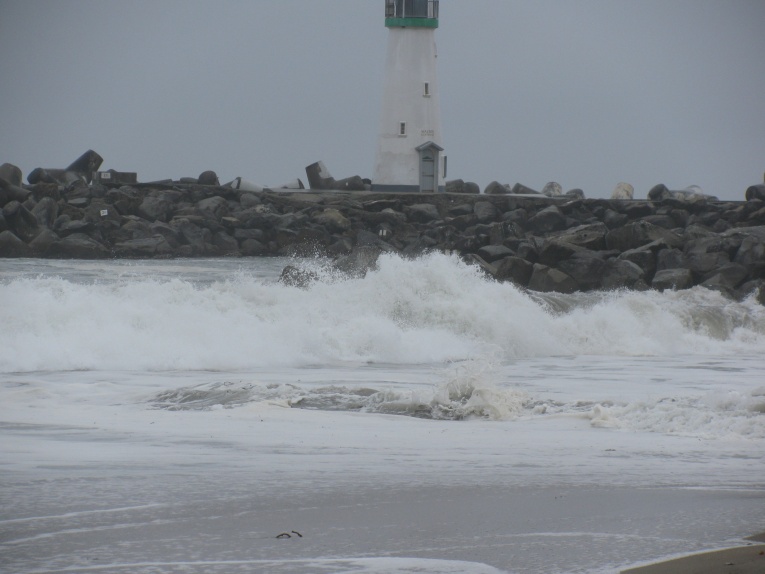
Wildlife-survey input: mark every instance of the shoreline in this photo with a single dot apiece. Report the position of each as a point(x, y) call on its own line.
point(744, 559)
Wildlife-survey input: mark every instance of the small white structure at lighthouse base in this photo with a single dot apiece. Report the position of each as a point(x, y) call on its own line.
point(409, 152)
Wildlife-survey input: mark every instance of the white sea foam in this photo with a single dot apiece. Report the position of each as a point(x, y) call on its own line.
point(434, 309)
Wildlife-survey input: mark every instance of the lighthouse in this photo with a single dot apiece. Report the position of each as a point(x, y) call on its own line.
point(409, 153)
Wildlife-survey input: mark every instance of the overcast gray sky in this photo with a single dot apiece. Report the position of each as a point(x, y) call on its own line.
point(585, 93)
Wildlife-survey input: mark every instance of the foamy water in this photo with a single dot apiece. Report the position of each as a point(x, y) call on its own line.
point(423, 374)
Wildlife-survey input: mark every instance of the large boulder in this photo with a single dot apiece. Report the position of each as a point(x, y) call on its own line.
point(495, 188)
point(155, 208)
point(591, 236)
point(547, 220)
point(485, 211)
point(148, 247)
point(358, 262)
point(208, 177)
point(12, 246)
point(623, 191)
point(10, 192)
point(46, 212)
point(21, 221)
point(727, 278)
point(491, 253)
point(78, 246)
point(514, 269)
point(332, 220)
point(215, 206)
point(638, 233)
point(12, 174)
point(586, 268)
point(623, 274)
point(676, 279)
point(755, 192)
point(422, 212)
point(547, 279)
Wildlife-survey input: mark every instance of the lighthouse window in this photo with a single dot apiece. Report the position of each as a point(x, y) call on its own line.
point(426, 90)
point(402, 128)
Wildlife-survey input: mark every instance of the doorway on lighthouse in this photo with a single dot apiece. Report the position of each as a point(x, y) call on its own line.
point(429, 159)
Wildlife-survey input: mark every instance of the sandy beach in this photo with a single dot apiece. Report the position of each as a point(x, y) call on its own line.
point(748, 559)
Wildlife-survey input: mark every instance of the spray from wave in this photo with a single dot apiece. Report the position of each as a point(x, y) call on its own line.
point(432, 310)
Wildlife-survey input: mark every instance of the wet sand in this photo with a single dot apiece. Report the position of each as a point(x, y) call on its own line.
point(749, 559)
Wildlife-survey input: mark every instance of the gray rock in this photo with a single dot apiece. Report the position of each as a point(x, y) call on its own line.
point(41, 244)
point(485, 211)
point(554, 250)
point(623, 274)
point(492, 253)
point(71, 227)
point(623, 191)
point(638, 233)
point(496, 188)
point(658, 192)
point(472, 188)
point(548, 279)
point(225, 243)
point(614, 219)
point(547, 220)
point(155, 208)
point(670, 259)
point(12, 246)
point(514, 269)
point(148, 247)
point(208, 177)
point(552, 189)
point(644, 257)
point(461, 209)
point(78, 246)
point(520, 189)
point(676, 279)
point(197, 237)
point(727, 278)
point(575, 193)
point(252, 247)
point(586, 268)
point(755, 192)
point(592, 236)
point(332, 220)
point(21, 221)
point(46, 212)
point(215, 206)
point(296, 277)
point(11, 173)
point(455, 186)
point(10, 192)
point(751, 254)
point(422, 212)
point(358, 262)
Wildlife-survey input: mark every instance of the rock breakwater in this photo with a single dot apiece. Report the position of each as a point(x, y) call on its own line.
point(563, 243)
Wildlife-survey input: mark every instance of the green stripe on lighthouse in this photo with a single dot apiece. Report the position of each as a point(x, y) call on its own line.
point(411, 22)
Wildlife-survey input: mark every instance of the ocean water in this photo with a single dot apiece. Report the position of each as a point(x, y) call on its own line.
point(178, 416)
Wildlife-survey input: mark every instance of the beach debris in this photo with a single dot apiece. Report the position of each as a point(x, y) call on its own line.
point(289, 534)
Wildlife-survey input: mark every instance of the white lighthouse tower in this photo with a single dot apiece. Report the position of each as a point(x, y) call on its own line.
point(409, 152)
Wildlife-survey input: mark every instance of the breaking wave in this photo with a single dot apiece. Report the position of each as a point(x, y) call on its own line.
point(432, 310)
